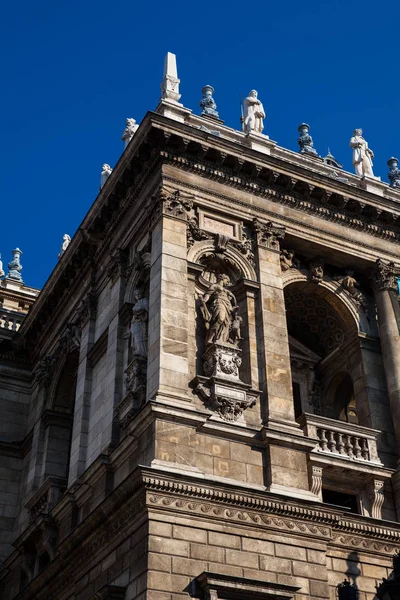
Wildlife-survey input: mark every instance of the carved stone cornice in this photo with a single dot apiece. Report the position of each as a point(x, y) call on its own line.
point(383, 277)
point(351, 213)
point(268, 234)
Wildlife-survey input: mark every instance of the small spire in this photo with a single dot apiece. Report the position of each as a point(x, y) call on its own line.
point(330, 160)
point(170, 82)
point(15, 266)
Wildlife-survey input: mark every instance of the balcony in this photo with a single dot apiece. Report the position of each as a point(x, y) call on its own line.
point(10, 321)
point(341, 441)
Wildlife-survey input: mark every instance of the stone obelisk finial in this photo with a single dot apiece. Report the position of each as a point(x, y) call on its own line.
point(170, 82)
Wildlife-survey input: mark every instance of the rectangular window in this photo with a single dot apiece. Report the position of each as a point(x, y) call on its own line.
point(346, 501)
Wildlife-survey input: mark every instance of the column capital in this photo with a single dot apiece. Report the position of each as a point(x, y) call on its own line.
point(268, 234)
point(172, 204)
point(383, 276)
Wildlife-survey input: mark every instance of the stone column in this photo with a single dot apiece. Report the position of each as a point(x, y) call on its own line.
point(287, 471)
point(384, 282)
point(168, 365)
point(79, 441)
point(277, 383)
point(385, 287)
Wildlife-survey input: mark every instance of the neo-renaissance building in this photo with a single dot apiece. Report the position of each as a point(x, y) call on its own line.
point(204, 399)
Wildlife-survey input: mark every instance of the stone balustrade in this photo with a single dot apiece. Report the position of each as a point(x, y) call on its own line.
point(341, 440)
point(10, 321)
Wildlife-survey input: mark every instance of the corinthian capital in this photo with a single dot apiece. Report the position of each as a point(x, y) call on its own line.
point(268, 234)
point(384, 276)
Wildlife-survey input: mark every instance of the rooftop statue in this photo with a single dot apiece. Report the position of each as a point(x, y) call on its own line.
point(15, 266)
point(394, 172)
point(207, 103)
point(362, 155)
point(65, 244)
point(1, 268)
point(105, 174)
point(253, 114)
point(129, 131)
point(305, 140)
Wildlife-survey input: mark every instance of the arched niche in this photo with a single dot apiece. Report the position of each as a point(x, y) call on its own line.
point(209, 265)
point(58, 419)
point(341, 302)
point(324, 329)
point(231, 257)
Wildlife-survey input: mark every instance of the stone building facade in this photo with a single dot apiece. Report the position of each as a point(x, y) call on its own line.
point(212, 374)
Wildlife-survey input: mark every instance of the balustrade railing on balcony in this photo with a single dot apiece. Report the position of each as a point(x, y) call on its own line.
point(10, 321)
point(340, 439)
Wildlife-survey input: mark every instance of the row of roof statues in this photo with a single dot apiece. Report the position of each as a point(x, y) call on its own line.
point(252, 122)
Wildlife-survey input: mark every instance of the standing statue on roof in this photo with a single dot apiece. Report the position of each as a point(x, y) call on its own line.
point(129, 131)
point(362, 155)
point(1, 268)
point(254, 114)
point(105, 174)
point(65, 244)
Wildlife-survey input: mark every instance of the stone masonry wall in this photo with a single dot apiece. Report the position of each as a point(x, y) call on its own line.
point(181, 548)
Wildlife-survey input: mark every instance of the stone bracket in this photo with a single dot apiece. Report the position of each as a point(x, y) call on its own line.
point(227, 398)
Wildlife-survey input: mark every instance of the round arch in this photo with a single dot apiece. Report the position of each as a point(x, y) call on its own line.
point(231, 255)
point(352, 314)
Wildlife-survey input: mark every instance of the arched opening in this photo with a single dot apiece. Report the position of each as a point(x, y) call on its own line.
point(59, 421)
point(341, 392)
point(323, 340)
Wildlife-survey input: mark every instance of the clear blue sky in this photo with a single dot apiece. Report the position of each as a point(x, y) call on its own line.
point(73, 71)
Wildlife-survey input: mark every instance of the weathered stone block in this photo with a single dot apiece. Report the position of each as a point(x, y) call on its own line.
point(259, 546)
point(224, 540)
point(168, 546)
point(243, 559)
point(309, 570)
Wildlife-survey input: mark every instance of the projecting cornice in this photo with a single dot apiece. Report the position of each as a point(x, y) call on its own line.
point(282, 176)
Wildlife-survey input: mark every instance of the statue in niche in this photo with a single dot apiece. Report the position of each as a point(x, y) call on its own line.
point(219, 307)
point(138, 328)
point(362, 155)
point(254, 114)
